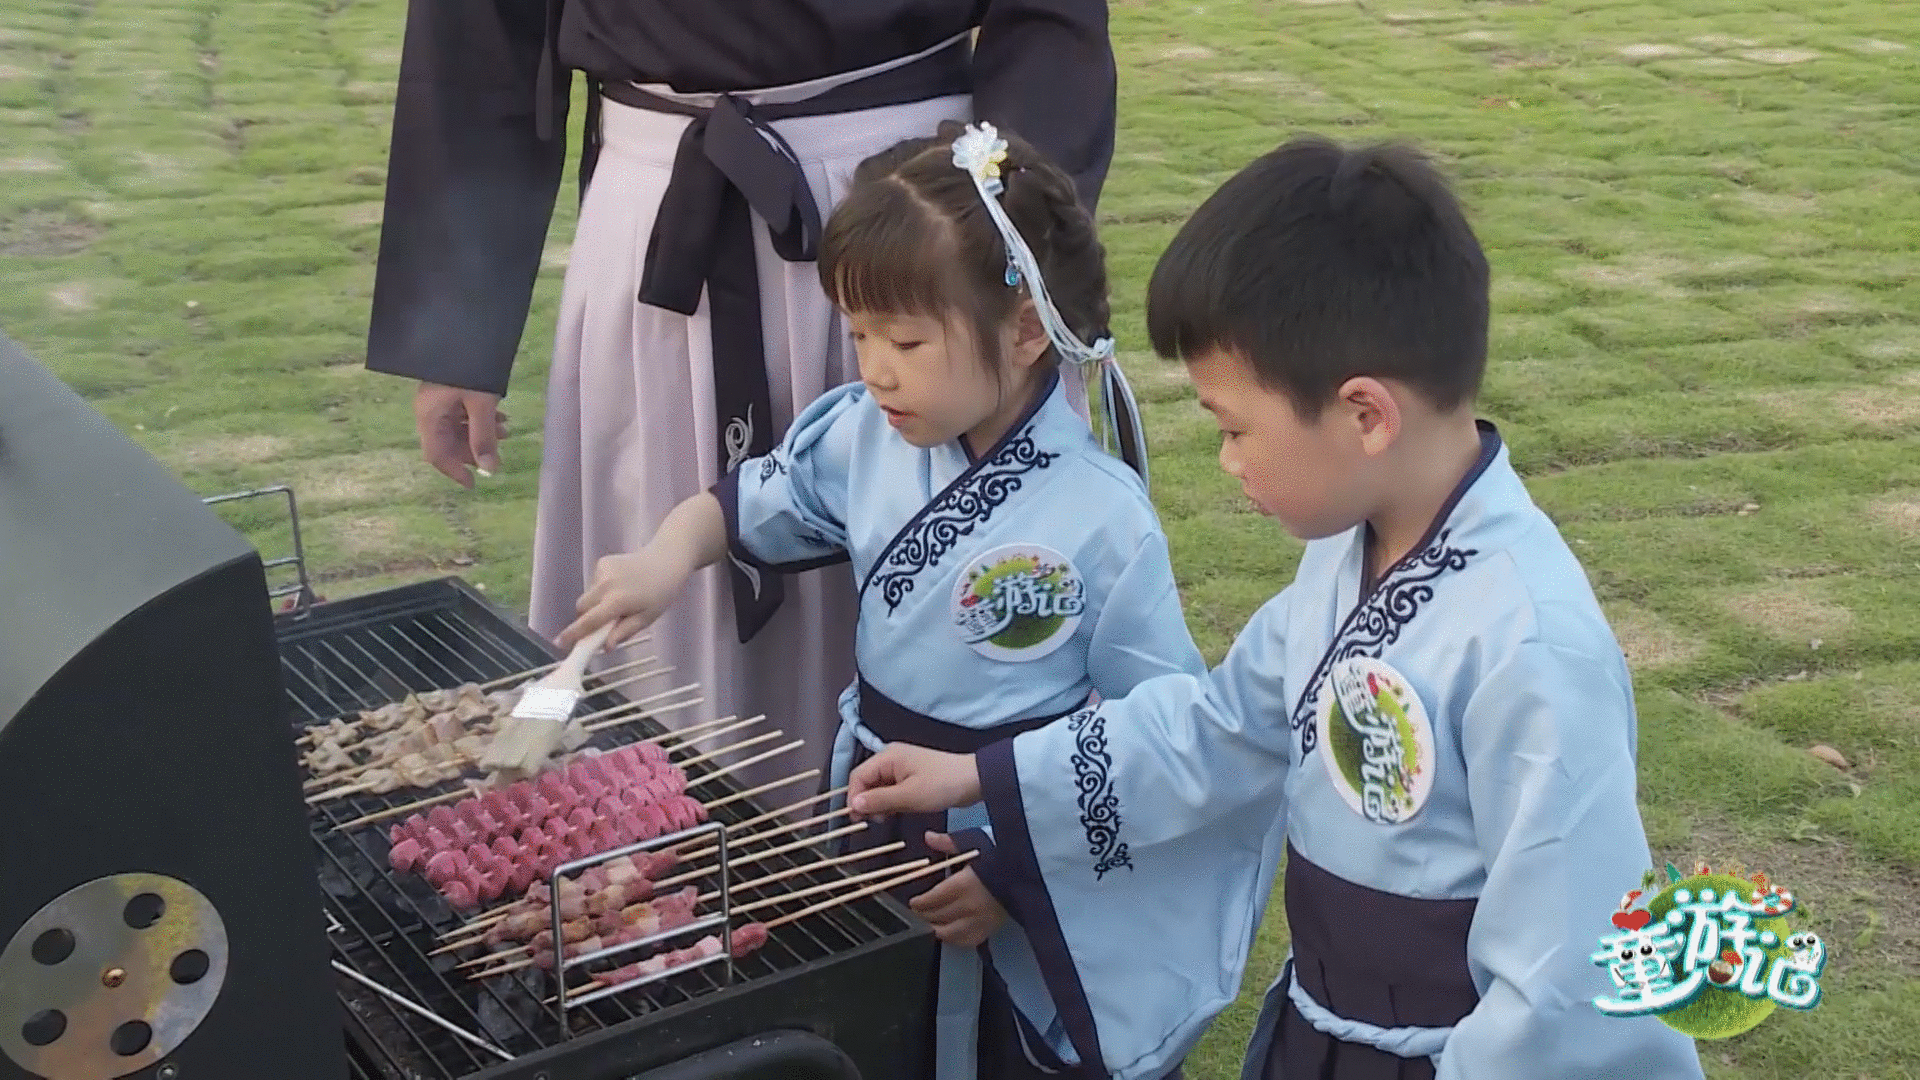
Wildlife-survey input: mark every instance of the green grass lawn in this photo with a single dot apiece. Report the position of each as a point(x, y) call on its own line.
point(1704, 221)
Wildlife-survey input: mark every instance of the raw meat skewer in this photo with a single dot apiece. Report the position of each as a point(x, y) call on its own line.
point(531, 955)
point(754, 935)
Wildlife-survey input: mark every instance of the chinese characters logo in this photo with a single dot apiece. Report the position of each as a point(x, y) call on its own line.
point(1019, 602)
point(1711, 954)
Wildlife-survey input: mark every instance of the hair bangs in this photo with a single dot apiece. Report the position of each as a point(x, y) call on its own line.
point(886, 254)
point(1190, 297)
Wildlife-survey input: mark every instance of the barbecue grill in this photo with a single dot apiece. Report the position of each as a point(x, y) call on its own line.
point(149, 700)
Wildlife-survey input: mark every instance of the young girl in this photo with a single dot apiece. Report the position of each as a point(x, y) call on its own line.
point(1008, 568)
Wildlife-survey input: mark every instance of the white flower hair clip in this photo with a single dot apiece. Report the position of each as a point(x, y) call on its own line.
point(980, 152)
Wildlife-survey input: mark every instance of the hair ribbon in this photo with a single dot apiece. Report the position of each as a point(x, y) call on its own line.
point(980, 151)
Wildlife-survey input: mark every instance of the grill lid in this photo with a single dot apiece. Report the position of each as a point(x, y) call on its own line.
point(91, 528)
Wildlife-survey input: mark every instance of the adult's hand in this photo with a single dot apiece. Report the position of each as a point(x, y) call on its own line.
point(460, 430)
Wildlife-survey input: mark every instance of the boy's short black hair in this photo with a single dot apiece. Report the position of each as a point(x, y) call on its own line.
point(1318, 264)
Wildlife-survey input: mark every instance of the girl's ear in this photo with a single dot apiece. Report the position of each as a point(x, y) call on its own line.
point(1025, 340)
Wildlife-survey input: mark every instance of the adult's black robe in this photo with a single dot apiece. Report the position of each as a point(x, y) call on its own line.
point(480, 120)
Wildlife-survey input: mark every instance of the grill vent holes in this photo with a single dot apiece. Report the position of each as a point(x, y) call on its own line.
point(189, 967)
point(144, 910)
point(44, 1027)
point(53, 946)
point(130, 1038)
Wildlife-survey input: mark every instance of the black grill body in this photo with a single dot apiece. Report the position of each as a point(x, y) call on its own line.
point(142, 731)
point(149, 699)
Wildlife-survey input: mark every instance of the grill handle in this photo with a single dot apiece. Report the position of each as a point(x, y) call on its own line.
point(776, 1055)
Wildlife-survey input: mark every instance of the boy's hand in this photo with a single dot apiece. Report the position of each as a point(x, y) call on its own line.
point(903, 779)
point(960, 909)
point(635, 589)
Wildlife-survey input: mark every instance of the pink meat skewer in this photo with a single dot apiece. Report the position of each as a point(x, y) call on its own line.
point(744, 941)
point(481, 874)
point(672, 917)
point(496, 810)
point(495, 813)
point(598, 822)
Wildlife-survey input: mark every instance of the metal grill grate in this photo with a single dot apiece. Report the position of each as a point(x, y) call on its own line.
point(362, 653)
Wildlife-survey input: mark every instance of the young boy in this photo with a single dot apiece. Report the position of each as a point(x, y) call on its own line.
point(1433, 723)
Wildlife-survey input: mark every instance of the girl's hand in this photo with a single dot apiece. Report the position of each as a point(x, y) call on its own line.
point(903, 779)
point(630, 591)
point(960, 909)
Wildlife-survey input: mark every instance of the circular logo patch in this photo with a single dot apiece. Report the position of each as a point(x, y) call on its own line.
point(1019, 602)
point(1377, 740)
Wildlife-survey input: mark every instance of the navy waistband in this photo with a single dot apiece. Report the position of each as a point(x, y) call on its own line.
point(1372, 956)
point(895, 722)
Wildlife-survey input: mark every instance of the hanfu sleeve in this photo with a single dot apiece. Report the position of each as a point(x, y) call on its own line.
point(1549, 745)
point(787, 511)
point(1136, 845)
point(470, 193)
point(1141, 630)
point(1044, 69)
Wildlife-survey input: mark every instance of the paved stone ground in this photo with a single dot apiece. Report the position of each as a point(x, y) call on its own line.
point(1704, 218)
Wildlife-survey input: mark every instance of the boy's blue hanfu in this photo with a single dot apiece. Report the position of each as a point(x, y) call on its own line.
point(999, 591)
point(1446, 760)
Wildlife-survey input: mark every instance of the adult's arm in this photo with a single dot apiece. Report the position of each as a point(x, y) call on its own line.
point(470, 193)
point(1045, 69)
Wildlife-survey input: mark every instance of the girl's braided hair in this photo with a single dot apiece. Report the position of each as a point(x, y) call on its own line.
point(912, 238)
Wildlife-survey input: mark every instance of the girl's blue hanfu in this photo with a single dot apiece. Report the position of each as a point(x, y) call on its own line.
point(1446, 759)
point(999, 589)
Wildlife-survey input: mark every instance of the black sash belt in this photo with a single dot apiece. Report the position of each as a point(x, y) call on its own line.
point(730, 165)
point(895, 722)
point(1386, 960)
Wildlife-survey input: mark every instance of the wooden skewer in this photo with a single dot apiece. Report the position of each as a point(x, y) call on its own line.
point(758, 856)
point(769, 879)
point(526, 951)
point(809, 868)
point(657, 710)
point(741, 745)
point(771, 814)
point(480, 921)
point(664, 694)
point(763, 788)
point(830, 902)
point(884, 886)
point(534, 673)
point(495, 916)
point(628, 706)
point(693, 782)
point(467, 792)
point(306, 739)
point(334, 793)
point(494, 721)
point(815, 890)
point(527, 676)
point(464, 761)
point(683, 740)
point(743, 841)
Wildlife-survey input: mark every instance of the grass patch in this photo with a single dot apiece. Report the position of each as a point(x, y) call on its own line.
point(1702, 220)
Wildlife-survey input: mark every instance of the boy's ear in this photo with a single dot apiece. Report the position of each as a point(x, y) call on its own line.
point(1370, 406)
